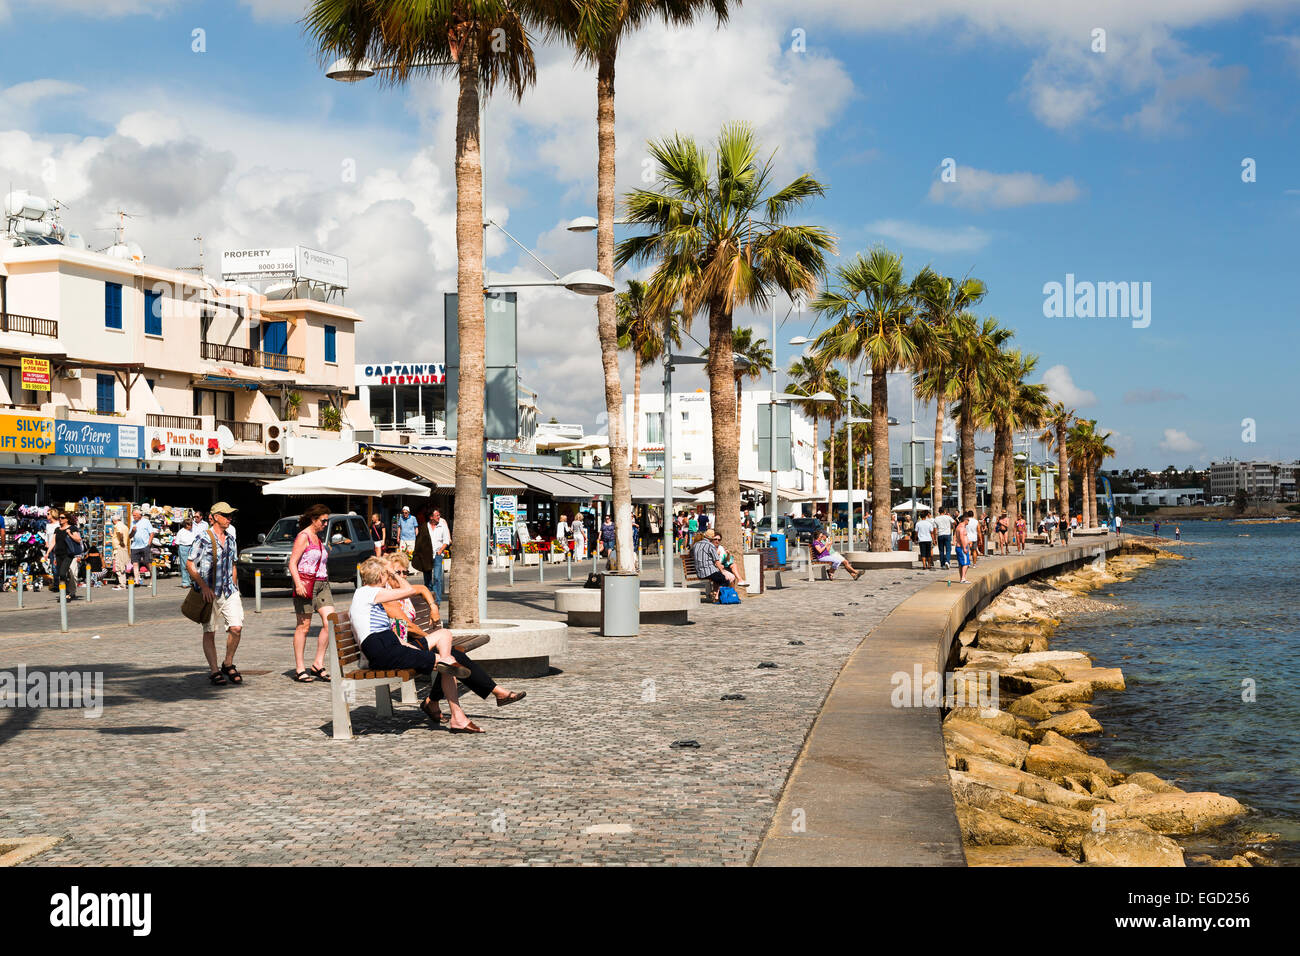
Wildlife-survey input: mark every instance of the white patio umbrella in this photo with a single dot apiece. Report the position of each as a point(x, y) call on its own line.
point(349, 478)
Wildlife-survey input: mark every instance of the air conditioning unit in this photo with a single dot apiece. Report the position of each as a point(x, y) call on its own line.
point(275, 438)
point(72, 373)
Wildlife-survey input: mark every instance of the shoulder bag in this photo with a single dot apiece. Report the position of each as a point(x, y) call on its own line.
point(195, 606)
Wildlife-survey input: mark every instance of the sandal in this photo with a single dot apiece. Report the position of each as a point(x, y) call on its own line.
point(453, 668)
point(511, 697)
point(302, 677)
point(319, 673)
point(216, 678)
point(232, 672)
point(431, 710)
point(469, 728)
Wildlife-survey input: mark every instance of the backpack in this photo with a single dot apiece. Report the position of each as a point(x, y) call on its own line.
point(728, 595)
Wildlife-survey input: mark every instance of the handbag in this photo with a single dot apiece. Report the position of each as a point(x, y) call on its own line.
point(197, 608)
point(593, 580)
point(728, 595)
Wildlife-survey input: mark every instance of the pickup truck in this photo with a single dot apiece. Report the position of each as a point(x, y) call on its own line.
point(346, 535)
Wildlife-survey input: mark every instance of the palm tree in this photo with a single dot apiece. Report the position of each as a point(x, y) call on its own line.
point(752, 359)
point(942, 299)
point(720, 241)
point(595, 28)
point(1100, 452)
point(1079, 440)
point(975, 348)
point(485, 44)
point(1057, 423)
point(873, 311)
point(838, 386)
point(641, 332)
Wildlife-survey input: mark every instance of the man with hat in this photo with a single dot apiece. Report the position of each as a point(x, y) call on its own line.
point(708, 564)
point(407, 526)
point(212, 569)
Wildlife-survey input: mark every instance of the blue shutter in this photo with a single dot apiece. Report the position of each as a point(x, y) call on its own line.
point(331, 344)
point(104, 392)
point(112, 305)
point(152, 313)
point(275, 338)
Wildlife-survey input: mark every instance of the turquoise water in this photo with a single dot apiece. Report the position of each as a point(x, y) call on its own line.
point(1190, 635)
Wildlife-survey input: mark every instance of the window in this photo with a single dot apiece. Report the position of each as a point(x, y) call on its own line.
point(112, 305)
point(686, 416)
point(359, 530)
point(104, 388)
point(331, 344)
point(153, 313)
point(275, 338)
point(220, 405)
point(686, 456)
point(254, 337)
point(654, 428)
point(150, 383)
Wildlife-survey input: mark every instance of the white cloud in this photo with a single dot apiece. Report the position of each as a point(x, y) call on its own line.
point(1061, 388)
point(930, 238)
point(92, 8)
point(981, 188)
point(1179, 442)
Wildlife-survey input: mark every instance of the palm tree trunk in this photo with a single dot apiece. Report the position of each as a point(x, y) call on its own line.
point(726, 440)
point(936, 479)
point(1093, 465)
point(1010, 497)
point(830, 492)
point(967, 453)
point(606, 311)
point(635, 457)
point(997, 481)
point(466, 525)
point(1086, 491)
point(1063, 479)
point(739, 407)
point(881, 500)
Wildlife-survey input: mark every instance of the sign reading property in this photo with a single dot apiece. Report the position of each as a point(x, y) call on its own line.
point(322, 267)
point(258, 263)
point(96, 440)
point(27, 433)
point(36, 374)
point(181, 444)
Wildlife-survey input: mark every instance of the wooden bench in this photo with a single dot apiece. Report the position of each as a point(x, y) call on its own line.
point(345, 665)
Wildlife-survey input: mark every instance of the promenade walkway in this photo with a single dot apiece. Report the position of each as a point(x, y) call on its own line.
point(870, 787)
point(178, 772)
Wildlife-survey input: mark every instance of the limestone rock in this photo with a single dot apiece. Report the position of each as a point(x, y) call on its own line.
point(974, 739)
point(993, 719)
point(1118, 847)
point(1066, 824)
point(982, 828)
point(1072, 691)
point(1015, 856)
point(1152, 783)
point(1235, 861)
point(1009, 683)
point(1180, 812)
point(1045, 672)
point(1002, 777)
point(1054, 762)
point(1101, 678)
point(1029, 708)
point(1052, 739)
point(1072, 723)
point(1046, 657)
point(985, 658)
point(1125, 792)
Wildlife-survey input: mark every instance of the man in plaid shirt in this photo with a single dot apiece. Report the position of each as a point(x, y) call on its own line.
point(212, 570)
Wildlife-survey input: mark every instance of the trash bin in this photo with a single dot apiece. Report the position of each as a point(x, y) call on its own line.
point(777, 540)
point(620, 604)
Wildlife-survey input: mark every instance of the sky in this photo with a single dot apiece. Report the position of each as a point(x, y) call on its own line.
point(1149, 144)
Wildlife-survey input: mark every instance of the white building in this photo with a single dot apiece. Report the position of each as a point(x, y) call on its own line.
point(1262, 479)
point(692, 440)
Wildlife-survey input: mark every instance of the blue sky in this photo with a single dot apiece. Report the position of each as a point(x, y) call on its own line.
point(1122, 165)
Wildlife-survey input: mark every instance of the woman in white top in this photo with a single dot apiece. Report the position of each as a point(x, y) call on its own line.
point(579, 532)
point(184, 541)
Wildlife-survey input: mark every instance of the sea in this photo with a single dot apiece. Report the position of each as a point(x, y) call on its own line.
point(1208, 647)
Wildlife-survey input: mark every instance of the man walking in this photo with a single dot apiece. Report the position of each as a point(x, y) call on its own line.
point(184, 542)
point(141, 543)
point(407, 526)
point(212, 568)
point(925, 529)
point(943, 531)
point(441, 542)
point(964, 544)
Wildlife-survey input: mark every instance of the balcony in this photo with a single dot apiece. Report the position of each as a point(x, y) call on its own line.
point(26, 323)
point(178, 422)
point(252, 357)
point(243, 431)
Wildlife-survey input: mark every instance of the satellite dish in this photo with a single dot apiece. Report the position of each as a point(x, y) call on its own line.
point(225, 438)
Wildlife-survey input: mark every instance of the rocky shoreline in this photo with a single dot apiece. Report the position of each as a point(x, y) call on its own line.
point(1027, 791)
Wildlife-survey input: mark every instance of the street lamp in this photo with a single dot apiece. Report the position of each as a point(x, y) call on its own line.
point(589, 224)
point(670, 362)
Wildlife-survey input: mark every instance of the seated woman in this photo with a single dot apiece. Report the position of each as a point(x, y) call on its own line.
point(824, 553)
point(477, 680)
point(729, 563)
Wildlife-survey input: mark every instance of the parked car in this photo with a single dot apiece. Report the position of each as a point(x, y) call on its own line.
point(346, 534)
point(797, 529)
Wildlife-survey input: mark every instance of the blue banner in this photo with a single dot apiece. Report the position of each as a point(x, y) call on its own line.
point(97, 440)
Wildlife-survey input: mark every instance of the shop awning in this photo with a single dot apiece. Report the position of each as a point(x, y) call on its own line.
point(591, 486)
point(547, 483)
point(440, 470)
point(651, 490)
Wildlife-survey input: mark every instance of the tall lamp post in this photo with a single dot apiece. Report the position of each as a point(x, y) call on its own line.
point(670, 362)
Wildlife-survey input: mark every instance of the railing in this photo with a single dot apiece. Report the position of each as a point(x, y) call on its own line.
point(244, 431)
point(26, 323)
point(252, 357)
point(179, 422)
point(316, 431)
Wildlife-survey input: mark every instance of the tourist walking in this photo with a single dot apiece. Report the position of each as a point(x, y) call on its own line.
point(64, 549)
point(1022, 532)
point(943, 535)
point(407, 526)
point(120, 538)
point(142, 534)
point(431, 546)
point(964, 544)
point(309, 568)
point(925, 532)
point(212, 569)
point(1155, 527)
point(608, 540)
point(1178, 533)
point(184, 542)
point(579, 535)
point(378, 534)
point(562, 533)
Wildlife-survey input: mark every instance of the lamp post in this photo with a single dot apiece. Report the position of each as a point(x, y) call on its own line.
point(670, 362)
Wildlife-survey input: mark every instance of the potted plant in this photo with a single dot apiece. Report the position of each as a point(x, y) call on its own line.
point(292, 402)
point(331, 419)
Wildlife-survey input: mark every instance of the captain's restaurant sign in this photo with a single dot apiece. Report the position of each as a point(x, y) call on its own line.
point(402, 373)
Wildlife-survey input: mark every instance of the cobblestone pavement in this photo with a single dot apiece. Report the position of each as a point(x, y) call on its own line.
point(176, 771)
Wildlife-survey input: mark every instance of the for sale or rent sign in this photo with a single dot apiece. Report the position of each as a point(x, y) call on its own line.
point(36, 374)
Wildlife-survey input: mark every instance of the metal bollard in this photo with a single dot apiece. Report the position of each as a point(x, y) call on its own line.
point(153, 579)
point(63, 606)
point(358, 575)
point(541, 567)
point(568, 561)
point(130, 601)
point(661, 557)
point(510, 566)
point(22, 586)
point(257, 592)
point(88, 588)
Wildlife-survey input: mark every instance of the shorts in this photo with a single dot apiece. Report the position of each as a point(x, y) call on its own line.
point(227, 612)
point(141, 557)
point(320, 597)
point(925, 547)
point(718, 578)
point(963, 559)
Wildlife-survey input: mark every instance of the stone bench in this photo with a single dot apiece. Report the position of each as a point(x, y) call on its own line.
point(875, 560)
point(519, 647)
point(658, 605)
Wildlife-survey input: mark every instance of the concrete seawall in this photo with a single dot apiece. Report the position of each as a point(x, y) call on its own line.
point(870, 787)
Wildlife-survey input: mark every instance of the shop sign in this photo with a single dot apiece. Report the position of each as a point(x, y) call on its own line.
point(27, 433)
point(96, 440)
point(505, 511)
point(181, 444)
point(36, 374)
point(402, 374)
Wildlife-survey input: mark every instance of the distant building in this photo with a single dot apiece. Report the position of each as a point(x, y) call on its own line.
point(1258, 479)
